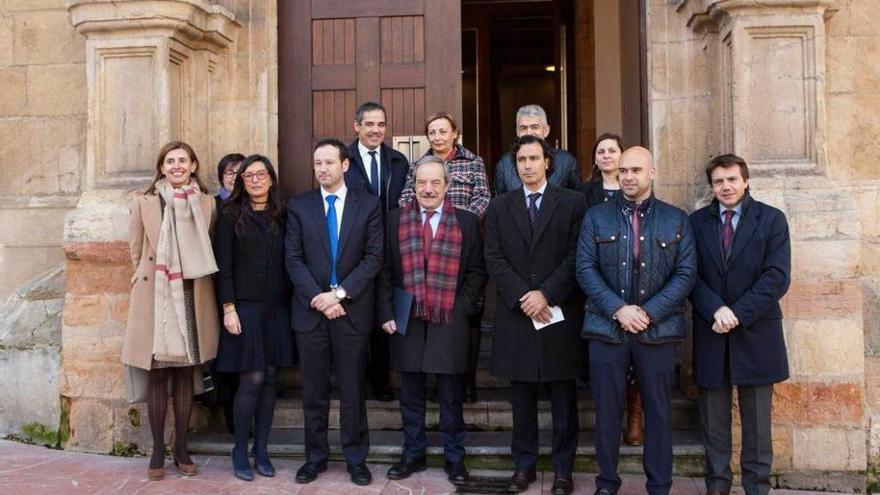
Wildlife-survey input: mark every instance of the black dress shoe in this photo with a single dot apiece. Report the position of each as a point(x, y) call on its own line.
point(309, 471)
point(241, 467)
point(604, 491)
point(406, 467)
point(562, 485)
point(521, 480)
point(457, 472)
point(360, 475)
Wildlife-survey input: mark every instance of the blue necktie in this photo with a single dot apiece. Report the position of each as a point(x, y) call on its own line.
point(374, 173)
point(334, 236)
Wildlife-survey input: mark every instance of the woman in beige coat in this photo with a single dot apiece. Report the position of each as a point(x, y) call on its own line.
point(172, 320)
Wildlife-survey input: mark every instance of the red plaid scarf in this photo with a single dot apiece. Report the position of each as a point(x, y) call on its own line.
point(434, 291)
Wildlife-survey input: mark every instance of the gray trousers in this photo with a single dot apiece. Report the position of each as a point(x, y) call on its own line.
point(756, 458)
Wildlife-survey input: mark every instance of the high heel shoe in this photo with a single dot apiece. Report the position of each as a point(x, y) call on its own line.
point(185, 469)
point(263, 465)
point(241, 468)
point(156, 474)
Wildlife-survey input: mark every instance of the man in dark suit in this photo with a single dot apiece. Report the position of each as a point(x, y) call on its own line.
point(637, 263)
point(334, 251)
point(434, 252)
point(531, 237)
point(379, 170)
point(744, 263)
point(532, 119)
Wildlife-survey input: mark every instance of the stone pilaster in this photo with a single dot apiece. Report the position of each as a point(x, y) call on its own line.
point(149, 66)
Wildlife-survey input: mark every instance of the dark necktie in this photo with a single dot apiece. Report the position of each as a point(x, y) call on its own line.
point(334, 236)
point(533, 208)
point(727, 232)
point(636, 233)
point(374, 173)
point(427, 233)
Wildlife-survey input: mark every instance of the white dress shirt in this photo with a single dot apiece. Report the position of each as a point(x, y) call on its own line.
point(435, 219)
point(540, 198)
point(367, 160)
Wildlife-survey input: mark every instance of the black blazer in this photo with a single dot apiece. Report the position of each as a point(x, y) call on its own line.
point(443, 348)
point(519, 262)
point(241, 259)
point(751, 281)
point(359, 256)
point(394, 167)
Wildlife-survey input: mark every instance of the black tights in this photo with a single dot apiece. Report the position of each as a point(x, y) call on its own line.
point(157, 405)
point(254, 404)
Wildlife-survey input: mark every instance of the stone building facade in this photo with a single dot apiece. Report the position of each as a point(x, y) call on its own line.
point(91, 88)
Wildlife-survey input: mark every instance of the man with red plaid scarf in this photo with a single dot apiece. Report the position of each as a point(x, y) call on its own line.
point(432, 281)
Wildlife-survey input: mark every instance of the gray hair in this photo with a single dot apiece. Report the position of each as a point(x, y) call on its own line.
point(532, 110)
point(431, 158)
point(365, 107)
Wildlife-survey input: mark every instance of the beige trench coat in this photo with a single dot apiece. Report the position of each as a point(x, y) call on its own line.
point(137, 349)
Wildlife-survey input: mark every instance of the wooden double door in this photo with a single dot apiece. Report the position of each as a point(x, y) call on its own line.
point(336, 54)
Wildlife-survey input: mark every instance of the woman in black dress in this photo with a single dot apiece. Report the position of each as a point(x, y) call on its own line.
point(252, 286)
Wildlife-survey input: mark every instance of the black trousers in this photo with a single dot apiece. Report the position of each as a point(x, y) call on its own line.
point(756, 458)
point(563, 405)
point(334, 342)
point(412, 411)
point(655, 367)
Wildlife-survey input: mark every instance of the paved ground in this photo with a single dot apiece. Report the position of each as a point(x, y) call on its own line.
point(34, 470)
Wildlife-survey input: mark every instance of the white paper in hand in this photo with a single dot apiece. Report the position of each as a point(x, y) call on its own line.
point(555, 317)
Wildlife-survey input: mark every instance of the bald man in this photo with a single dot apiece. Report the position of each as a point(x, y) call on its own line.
point(636, 262)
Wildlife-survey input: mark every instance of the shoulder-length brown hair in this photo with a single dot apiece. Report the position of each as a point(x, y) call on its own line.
point(595, 173)
point(175, 145)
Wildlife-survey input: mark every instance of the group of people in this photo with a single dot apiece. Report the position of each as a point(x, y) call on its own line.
point(384, 265)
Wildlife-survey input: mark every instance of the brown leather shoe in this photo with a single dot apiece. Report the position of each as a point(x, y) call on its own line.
point(562, 485)
point(521, 480)
point(156, 474)
point(633, 434)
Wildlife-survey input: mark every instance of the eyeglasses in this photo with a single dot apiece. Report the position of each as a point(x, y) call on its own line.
point(250, 176)
point(230, 172)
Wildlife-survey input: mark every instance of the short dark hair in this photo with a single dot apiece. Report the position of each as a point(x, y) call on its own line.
point(595, 173)
point(368, 106)
point(339, 145)
point(225, 162)
point(727, 160)
point(530, 139)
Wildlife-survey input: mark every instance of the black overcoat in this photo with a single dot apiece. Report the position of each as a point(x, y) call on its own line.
point(520, 261)
point(751, 281)
point(440, 348)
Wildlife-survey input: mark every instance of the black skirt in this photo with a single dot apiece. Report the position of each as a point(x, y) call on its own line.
point(266, 339)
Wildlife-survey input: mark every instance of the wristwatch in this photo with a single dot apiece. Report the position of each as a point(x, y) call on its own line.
point(339, 292)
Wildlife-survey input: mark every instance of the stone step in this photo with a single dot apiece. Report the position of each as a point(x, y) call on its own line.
point(485, 450)
point(491, 412)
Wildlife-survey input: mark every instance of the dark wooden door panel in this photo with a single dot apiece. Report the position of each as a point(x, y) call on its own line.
point(334, 55)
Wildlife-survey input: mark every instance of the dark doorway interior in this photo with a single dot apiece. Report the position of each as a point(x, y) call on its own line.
point(513, 54)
